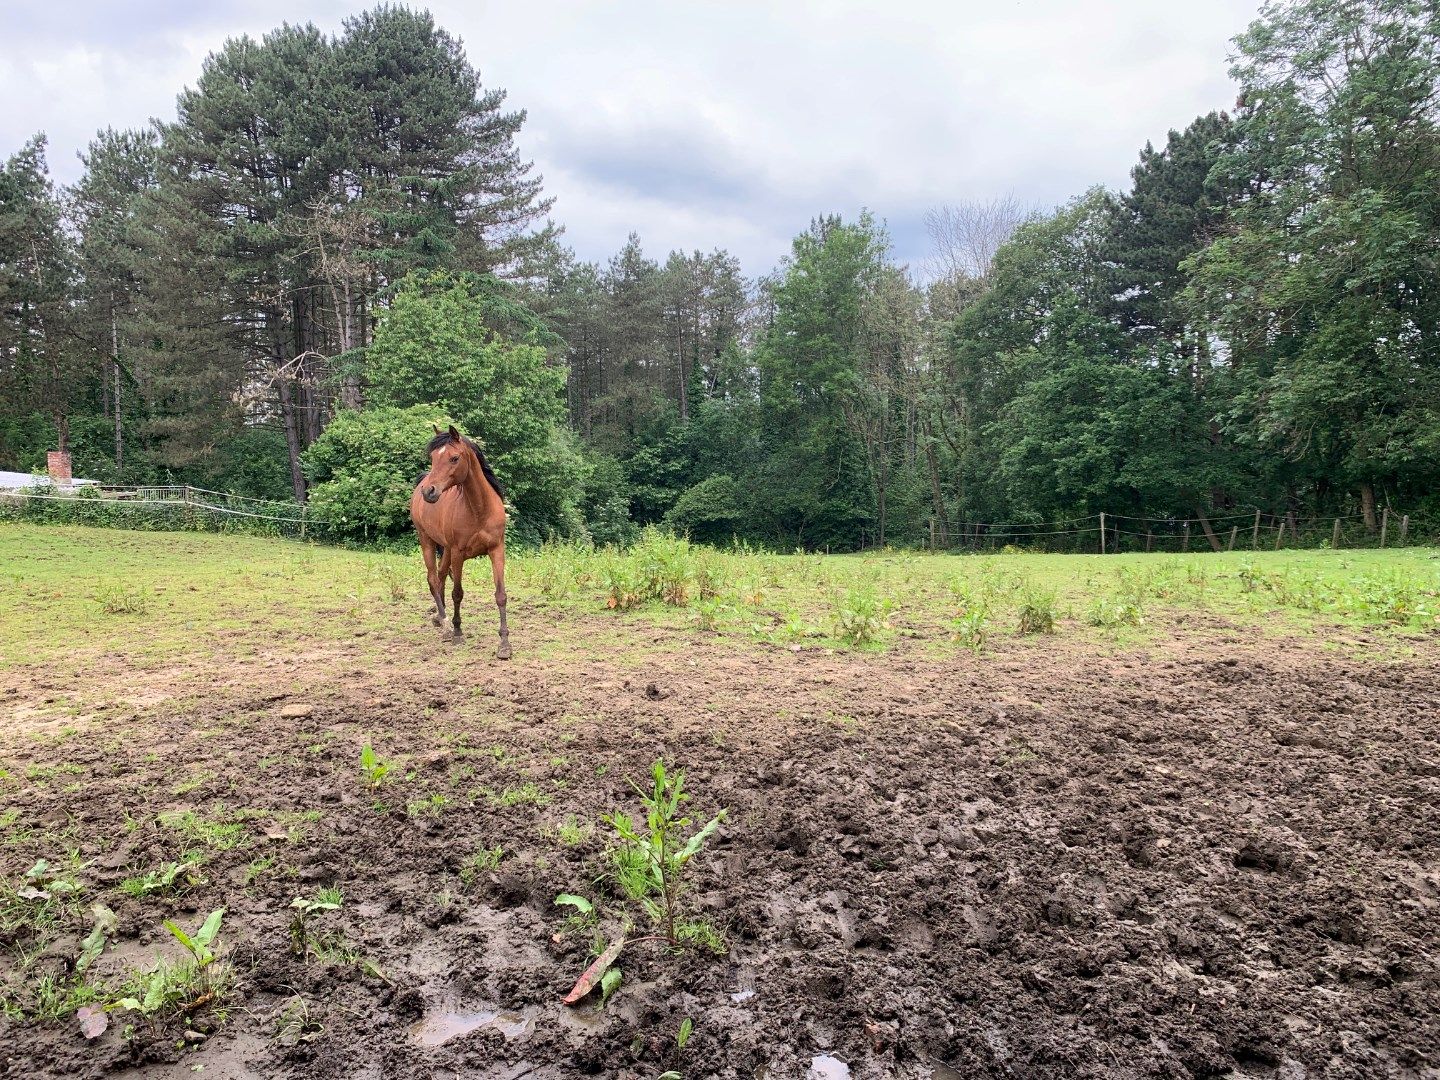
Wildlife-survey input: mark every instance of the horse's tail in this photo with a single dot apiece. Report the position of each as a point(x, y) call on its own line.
point(439, 552)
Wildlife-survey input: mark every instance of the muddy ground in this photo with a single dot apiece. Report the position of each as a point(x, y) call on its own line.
point(1215, 854)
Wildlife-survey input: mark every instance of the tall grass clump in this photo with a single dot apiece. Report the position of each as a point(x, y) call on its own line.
point(660, 568)
point(1038, 611)
point(859, 616)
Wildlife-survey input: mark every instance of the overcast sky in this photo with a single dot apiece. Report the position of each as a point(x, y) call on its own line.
point(704, 125)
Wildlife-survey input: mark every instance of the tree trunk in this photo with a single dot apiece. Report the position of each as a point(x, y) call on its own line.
point(115, 371)
point(350, 383)
point(1209, 532)
point(1367, 505)
point(880, 494)
point(292, 430)
point(935, 495)
point(680, 363)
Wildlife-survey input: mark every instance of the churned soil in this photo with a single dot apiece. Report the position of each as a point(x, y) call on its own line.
point(1215, 854)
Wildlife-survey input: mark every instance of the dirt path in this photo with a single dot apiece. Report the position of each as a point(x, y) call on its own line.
point(1204, 857)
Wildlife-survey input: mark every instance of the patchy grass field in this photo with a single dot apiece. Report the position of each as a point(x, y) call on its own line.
point(993, 815)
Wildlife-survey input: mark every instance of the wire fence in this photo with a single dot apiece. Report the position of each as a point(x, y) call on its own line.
point(162, 507)
point(185, 507)
point(1243, 530)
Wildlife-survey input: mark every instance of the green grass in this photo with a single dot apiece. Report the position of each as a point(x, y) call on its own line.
point(205, 593)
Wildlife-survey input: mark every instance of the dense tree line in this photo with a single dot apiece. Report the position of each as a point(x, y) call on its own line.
point(336, 241)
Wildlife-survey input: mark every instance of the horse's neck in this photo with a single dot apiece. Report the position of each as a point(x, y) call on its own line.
point(484, 498)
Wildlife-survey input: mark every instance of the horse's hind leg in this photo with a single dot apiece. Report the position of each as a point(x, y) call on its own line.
point(497, 563)
point(456, 595)
point(428, 549)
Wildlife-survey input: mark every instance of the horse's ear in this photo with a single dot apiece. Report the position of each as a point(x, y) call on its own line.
point(436, 427)
point(453, 433)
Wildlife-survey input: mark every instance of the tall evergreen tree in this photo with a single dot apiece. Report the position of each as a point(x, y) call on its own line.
point(38, 374)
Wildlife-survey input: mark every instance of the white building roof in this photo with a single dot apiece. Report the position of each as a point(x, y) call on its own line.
point(11, 481)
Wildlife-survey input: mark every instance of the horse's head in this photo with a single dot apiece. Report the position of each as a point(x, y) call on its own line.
point(450, 464)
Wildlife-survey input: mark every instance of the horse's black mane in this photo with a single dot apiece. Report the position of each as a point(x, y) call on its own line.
point(444, 439)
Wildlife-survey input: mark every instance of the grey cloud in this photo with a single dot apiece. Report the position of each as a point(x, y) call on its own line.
point(717, 125)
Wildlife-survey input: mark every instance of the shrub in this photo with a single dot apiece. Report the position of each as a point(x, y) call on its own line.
point(365, 466)
point(710, 510)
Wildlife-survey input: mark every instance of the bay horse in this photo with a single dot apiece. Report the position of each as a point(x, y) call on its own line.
point(458, 509)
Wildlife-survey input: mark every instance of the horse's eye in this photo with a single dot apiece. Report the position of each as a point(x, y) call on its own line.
point(454, 459)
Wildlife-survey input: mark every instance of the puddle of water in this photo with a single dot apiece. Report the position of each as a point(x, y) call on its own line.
point(443, 1025)
point(825, 1067)
point(941, 1071)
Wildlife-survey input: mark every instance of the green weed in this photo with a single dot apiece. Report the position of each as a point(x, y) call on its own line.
point(173, 877)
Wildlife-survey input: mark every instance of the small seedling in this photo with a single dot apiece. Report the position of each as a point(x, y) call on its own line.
point(686, 1027)
point(304, 908)
point(294, 1024)
point(188, 985)
point(483, 859)
point(372, 767)
point(172, 877)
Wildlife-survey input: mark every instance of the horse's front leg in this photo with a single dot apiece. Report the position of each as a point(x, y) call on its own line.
point(433, 579)
point(457, 593)
point(497, 563)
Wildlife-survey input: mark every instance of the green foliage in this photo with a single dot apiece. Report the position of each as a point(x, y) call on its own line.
point(120, 599)
point(482, 859)
point(172, 877)
point(372, 767)
point(657, 854)
point(1038, 611)
point(710, 510)
point(860, 616)
point(970, 628)
point(1114, 611)
point(181, 987)
point(465, 343)
point(365, 466)
point(604, 499)
point(305, 909)
point(659, 568)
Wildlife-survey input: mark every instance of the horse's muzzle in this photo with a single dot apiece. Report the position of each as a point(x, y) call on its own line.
point(430, 494)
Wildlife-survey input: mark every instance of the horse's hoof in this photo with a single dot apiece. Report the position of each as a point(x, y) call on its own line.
point(503, 653)
point(436, 620)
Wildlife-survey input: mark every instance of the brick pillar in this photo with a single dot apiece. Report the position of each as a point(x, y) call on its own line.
point(58, 464)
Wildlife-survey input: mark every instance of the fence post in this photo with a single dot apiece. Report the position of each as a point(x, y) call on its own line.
point(1255, 536)
point(1335, 536)
point(1384, 524)
point(932, 535)
point(1279, 533)
point(1234, 532)
point(1185, 546)
point(1149, 540)
point(1404, 529)
point(1102, 532)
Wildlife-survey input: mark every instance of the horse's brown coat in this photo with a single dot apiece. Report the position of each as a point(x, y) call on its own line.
point(459, 515)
